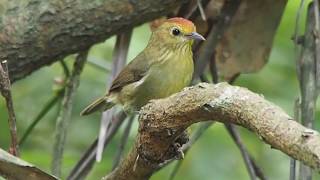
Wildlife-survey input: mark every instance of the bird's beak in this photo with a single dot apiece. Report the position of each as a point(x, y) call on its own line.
point(195, 36)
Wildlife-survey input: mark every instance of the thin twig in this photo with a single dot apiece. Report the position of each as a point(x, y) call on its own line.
point(46, 108)
point(99, 64)
point(205, 53)
point(5, 87)
point(213, 70)
point(252, 167)
point(118, 62)
point(292, 175)
point(246, 157)
point(85, 164)
point(64, 117)
point(296, 35)
point(316, 32)
point(202, 127)
point(201, 10)
point(65, 68)
point(175, 169)
point(191, 13)
point(123, 142)
point(197, 134)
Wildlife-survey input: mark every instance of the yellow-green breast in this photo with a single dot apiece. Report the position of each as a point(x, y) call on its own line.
point(170, 74)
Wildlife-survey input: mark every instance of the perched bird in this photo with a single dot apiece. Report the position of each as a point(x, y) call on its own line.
point(164, 67)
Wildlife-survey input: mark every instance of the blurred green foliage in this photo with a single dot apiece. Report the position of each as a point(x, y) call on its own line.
point(214, 156)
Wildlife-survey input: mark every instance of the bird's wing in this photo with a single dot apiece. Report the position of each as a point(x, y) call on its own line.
point(133, 72)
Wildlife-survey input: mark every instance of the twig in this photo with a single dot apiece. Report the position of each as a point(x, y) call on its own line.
point(65, 68)
point(5, 87)
point(85, 164)
point(246, 157)
point(202, 127)
point(201, 10)
point(205, 53)
point(297, 22)
point(308, 84)
point(118, 62)
point(292, 175)
point(190, 12)
point(123, 142)
point(213, 70)
point(175, 169)
point(316, 32)
point(52, 101)
point(99, 64)
point(65, 113)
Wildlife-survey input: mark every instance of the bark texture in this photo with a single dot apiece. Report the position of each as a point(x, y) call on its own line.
point(34, 33)
point(163, 121)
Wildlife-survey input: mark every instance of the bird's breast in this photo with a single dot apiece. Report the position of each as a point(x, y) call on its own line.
point(164, 78)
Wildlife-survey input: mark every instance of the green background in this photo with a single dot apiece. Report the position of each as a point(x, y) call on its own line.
point(214, 156)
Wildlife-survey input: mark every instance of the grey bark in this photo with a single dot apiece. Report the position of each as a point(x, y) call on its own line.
point(35, 33)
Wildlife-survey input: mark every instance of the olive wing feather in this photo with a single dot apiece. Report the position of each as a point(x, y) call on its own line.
point(133, 72)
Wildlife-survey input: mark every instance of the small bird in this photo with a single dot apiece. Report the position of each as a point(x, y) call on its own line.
point(163, 68)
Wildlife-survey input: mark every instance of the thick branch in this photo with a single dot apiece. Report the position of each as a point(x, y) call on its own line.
point(162, 121)
point(34, 33)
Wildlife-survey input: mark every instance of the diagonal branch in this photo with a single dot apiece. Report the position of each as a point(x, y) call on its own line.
point(119, 60)
point(123, 142)
point(5, 87)
point(86, 162)
point(65, 113)
point(227, 104)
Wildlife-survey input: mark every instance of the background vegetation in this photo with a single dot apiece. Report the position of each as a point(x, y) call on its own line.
point(212, 157)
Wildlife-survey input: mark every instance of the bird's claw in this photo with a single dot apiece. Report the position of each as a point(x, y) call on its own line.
point(179, 151)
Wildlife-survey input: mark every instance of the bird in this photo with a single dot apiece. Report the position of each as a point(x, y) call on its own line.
point(163, 68)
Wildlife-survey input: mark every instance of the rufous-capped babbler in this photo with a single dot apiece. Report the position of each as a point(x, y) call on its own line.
point(164, 67)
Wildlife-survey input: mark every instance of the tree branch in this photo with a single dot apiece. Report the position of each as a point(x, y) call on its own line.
point(162, 121)
point(65, 113)
point(13, 168)
point(308, 79)
point(5, 87)
point(37, 33)
point(119, 60)
point(85, 164)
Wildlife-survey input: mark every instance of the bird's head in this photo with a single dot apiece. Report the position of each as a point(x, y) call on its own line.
point(177, 30)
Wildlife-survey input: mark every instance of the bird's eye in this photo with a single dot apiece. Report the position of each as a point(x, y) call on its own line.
point(175, 31)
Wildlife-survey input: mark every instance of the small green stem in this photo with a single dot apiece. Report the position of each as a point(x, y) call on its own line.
point(41, 114)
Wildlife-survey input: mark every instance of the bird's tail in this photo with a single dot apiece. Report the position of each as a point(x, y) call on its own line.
point(102, 103)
